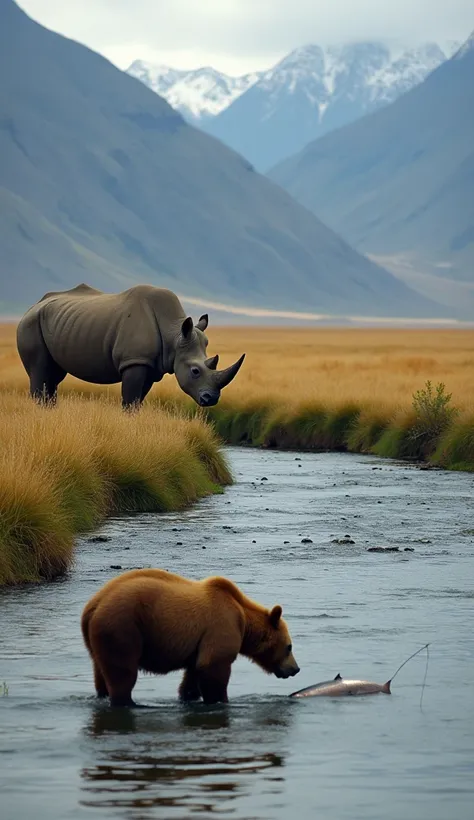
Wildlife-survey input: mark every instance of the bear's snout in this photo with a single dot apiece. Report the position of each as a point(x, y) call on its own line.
point(287, 671)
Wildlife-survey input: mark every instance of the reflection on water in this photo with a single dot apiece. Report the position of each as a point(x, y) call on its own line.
point(64, 756)
point(173, 761)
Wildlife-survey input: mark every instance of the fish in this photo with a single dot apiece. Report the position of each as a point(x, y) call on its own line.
point(340, 687)
point(308, 691)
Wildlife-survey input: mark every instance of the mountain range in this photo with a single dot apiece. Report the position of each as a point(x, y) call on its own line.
point(269, 115)
point(399, 183)
point(102, 181)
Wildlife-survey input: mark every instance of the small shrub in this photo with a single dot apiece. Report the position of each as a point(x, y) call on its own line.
point(432, 416)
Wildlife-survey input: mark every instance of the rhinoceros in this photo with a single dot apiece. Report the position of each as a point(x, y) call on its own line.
point(133, 337)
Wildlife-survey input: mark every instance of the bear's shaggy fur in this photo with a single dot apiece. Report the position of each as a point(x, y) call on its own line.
point(156, 621)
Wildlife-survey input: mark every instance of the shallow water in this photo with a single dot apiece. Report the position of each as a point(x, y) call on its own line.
point(350, 611)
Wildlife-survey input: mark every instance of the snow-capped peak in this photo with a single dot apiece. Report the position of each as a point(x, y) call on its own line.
point(336, 83)
point(198, 93)
point(161, 76)
point(368, 64)
point(359, 75)
point(405, 71)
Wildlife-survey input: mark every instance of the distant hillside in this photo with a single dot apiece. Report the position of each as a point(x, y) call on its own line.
point(102, 181)
point(399, 183)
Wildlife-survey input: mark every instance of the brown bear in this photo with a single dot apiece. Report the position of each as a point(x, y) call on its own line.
point(155, 621)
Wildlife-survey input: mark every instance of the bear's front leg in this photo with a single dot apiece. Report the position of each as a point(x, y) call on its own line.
point(189, 686)
point(213, 681)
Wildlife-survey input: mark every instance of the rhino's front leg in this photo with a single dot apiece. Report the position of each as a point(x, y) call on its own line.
point(136, 382)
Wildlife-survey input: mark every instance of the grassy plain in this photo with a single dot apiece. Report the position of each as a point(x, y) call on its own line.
point(292, 365)
point(62, 470)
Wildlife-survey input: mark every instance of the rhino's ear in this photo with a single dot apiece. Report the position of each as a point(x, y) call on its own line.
point(203, 322)
point(187, 327)
point(275, 615)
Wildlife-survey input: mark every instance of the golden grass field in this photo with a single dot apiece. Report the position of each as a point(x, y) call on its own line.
point(302, 365)
point(63, 469)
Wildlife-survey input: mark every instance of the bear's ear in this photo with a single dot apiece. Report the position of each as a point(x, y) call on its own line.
point(275, 615)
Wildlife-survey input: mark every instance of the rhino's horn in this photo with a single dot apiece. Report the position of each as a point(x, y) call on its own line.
point(212, 362)
point(223, 377)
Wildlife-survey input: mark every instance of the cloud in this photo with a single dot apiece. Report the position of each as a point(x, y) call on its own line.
point(245, 33)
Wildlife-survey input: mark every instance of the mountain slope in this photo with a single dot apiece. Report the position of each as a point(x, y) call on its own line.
point(197, 94)
point(315, 90)
point(102, 181)
point(401, 181)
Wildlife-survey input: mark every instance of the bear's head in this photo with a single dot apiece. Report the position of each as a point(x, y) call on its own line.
point(273, 651)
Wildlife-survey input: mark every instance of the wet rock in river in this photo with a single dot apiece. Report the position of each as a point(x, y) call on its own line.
point(99, 539)
point(383, 549)
point(306, 541)
point(346, 540)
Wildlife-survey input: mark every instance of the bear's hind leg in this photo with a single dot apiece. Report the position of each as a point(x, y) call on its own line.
point(99, 682)
point(189, 686)
point(213, 681)
point(120, 683)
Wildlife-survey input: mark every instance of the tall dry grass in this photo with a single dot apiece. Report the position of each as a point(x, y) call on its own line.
point(63, 469)
point(333, 366)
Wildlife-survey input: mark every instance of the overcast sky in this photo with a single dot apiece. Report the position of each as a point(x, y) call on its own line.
point(244, 35)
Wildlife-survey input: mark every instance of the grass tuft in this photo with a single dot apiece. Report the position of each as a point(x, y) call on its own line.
point(62, 470)
point(455, 450)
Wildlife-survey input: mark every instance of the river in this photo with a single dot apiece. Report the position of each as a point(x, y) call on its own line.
point(350, 611)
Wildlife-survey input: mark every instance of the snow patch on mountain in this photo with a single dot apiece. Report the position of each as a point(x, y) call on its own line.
point(198, 93)
point(399, 75)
